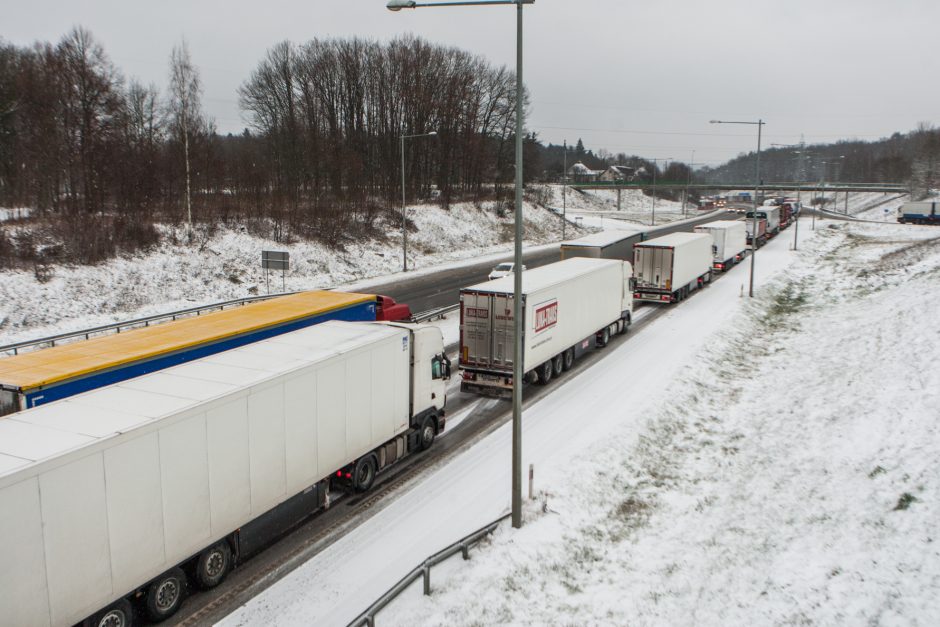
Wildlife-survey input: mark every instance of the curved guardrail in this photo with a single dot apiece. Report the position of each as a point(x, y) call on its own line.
point(423, 570)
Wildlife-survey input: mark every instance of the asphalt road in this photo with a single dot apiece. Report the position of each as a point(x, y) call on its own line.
point(442, 289)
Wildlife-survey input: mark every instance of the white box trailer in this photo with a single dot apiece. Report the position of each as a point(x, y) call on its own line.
point(667, 268)
point(771, 215)
point(603, 245)
point(729, 242)
point(104, 496)
point(919, 212)
point(565, 306)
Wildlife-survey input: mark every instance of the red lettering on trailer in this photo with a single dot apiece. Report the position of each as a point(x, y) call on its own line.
point(476, 312)
point(546, 316)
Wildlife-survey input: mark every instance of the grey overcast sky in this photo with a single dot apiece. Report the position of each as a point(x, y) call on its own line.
point(640, 77)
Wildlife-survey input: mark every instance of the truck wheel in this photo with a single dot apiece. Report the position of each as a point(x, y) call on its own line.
point(568, 359)
point(364, 473)
point(119, 614)
point(624, 326)
point(557, 365)
point(213, 565)
point(428, 432)
point(165, 594)
point(604, 338)
point(545, 373)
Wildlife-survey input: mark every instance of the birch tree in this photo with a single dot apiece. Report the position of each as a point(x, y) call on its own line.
point(185, 109)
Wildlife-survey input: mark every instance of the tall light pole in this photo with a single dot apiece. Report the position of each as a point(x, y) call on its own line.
point(799, 187)
point(564, 187)
point(404, 209)
point(688, 182)
point(653, 218)
point(397, 5)
point(760, 125)
point(824, 163)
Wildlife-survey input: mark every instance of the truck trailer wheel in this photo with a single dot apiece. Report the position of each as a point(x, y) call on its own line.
point(120, 614)
point(364, 473)
point(568, 359)
point(545, 373)
point(165, 594)
point(428, 432)
point(213, 565)
point(603, 337)
point(557, 365)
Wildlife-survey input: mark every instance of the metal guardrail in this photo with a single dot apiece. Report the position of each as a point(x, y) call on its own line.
point(463, 545)
point(434, 314)
point(136, 322)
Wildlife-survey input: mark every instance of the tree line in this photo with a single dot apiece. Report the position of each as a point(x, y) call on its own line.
point(101, 159)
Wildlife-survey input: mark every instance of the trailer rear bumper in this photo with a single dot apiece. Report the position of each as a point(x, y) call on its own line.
point(495, 385)
point(653, 297)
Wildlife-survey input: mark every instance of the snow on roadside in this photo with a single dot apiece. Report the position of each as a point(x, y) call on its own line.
point(791, 476)
point(227, 265)
point(636, 208)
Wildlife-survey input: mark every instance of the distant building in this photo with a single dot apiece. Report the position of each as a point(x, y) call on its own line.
point(580, 173)
point(618, 173)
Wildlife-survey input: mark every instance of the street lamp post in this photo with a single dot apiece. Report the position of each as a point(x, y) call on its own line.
point(404, 209)
point(688, 183)
point(653, 217)
point(760, 125)
point(397, 5)
point(799, 188)
point(564, 186)
point(824, 163)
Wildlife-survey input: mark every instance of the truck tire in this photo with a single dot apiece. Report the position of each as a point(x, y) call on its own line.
point(568, 359)
point(557, 365)
point(119, 614)
point(603, 337)
point(165, 594)
point(213, 565)
point(364, 473)
point(428, 433)
point(545, 373)
point(624, 326)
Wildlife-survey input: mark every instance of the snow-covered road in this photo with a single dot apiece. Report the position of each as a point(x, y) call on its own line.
point(473, 489)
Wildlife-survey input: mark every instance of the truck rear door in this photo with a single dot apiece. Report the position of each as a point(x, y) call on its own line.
point(486, 330)
point(654, 267)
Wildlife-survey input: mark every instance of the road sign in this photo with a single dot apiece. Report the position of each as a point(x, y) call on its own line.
point(275, 260)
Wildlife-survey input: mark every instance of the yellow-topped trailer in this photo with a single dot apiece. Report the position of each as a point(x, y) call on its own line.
point(567, 307)
point(32, 379)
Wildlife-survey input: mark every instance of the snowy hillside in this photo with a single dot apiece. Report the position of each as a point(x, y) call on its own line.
point(228, 265)
point(635, 206)
point(790, 477)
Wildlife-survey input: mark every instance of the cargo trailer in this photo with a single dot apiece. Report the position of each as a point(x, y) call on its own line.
point(603, 245)
point(919, 213)
point(567, 306)
point(771, 215)
point(38, 377)
point(761, 225)
point(109, 498)
point(729, 242)
point(668, 268)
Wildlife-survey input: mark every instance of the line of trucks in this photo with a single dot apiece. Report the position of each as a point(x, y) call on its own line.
point(115, 499)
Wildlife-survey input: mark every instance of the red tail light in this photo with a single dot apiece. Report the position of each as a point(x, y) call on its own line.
point(339, 473)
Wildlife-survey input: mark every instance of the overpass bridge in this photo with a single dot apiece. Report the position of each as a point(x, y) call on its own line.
point(890, 188)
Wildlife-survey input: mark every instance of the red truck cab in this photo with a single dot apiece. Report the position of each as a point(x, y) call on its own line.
point(387, 310)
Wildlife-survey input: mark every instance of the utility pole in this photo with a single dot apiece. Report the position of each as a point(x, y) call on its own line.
point(564, 188)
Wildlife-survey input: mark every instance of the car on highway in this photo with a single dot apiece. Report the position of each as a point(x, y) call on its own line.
point(501, 270)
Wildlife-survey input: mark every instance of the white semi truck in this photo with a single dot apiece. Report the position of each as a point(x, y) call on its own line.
point(770, 214)
point(729, 242)
point(668, 268)
point(921, 212)
point(567, 306)
point(109, 498)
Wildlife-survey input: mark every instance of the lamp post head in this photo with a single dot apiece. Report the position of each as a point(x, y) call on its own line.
point(714, 121)
point(432, 133)
point(398, 5)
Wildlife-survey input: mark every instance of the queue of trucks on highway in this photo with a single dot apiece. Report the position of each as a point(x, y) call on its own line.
point(172, 453)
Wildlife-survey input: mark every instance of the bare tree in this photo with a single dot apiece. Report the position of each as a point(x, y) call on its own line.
point(185, 108)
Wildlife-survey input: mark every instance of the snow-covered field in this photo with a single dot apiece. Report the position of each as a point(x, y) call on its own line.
point(228, 265)
point(765, 461)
